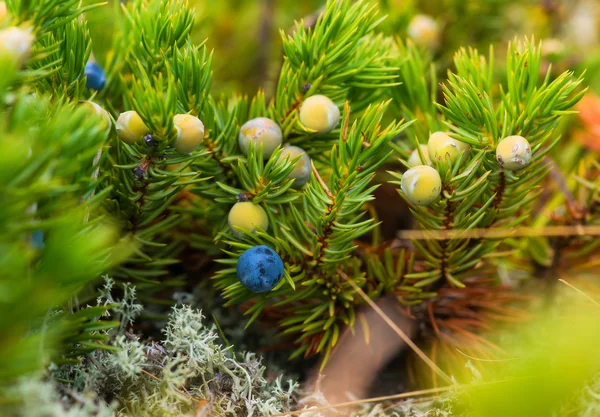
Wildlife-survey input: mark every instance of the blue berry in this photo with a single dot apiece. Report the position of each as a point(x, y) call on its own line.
point(260, 269)
point(96, 77)
point(37, 239)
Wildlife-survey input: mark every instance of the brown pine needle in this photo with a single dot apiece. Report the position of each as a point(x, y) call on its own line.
point(397, 329)
point(500, 232)
point(365, 401)
point(580, 292)
point(365, 326)
point(321, 182)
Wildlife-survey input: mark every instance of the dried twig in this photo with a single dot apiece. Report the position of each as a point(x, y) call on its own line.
point(396, 329)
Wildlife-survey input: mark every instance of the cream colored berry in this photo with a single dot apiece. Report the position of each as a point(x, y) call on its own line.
point(422, 185)
point(513, 153)
point(190, 132)
point(424, 31)
point(442, 147)
point(248, 216)
point(415, 158)
point(96, 109)
point(302, 169)
point(130, 127)
point(263, 131)
point(16, 42)
point(319, 113)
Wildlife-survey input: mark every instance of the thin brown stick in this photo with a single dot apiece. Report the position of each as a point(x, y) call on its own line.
point(483, 359)
point(500, 233)
point(365, 401)
point(396, 329)
point(320, 180)
point(580, 292)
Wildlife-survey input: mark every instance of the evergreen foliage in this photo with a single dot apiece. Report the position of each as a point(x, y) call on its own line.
point(79, 203)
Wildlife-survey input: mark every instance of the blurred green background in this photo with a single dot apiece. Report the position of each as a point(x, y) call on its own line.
point(245, 34)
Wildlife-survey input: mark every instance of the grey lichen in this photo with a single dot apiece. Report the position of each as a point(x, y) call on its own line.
point(188, 373)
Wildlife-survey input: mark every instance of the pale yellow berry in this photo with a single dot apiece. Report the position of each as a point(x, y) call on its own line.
point(190, 132)
point(422, 185)
point(263, 131)
point(130, 127)
point(319, 113)
point(96, 109)
point(424, 31)
point(16, 42)
point(442, 147)
point(513, 153)
point(302, 170)
point(248, 216)
point(415, 158)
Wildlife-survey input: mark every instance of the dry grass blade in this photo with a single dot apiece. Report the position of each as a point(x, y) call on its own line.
point(484, 359)
point(396, 329)
point(500, 233)
point(366, 401)
point(580, 292)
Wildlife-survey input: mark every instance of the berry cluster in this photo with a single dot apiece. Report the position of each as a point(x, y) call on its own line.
point(260, 269)
point(422, 184)
point(190, 131)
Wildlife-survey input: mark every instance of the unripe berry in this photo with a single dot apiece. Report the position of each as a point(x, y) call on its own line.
point(422, 185)
point(513, 153)
point(93, 107)
point(260, 269)
point(319, 113)
point(415, 158)
point(263, 131)
point(302, 169)
point(441, 147)
point(190, 132)
point(131, 127)
point(95, 76)
point(424, 31)
point(248, 216)
point(16, 42)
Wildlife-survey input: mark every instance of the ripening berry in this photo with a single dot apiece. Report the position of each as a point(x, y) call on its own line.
point(302, 169)
point(190, 132)
point(95, 76)
point(441, 147)
point(248, 216)
point(422, 185)
point(415, 158)
point(260, 269)
point(319, 113)
point(424, 31)
point(99, 111)
point(16, 42)
point(513, 153)
point(260, 131)
point(131, 127)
